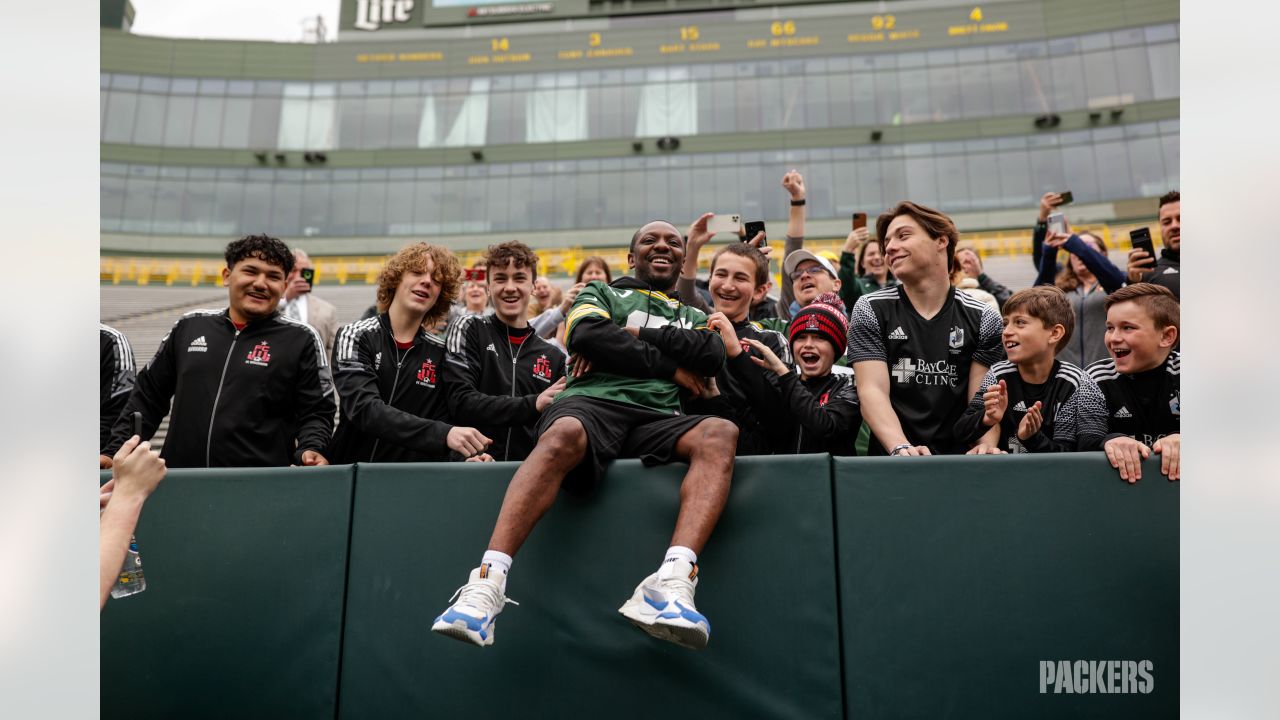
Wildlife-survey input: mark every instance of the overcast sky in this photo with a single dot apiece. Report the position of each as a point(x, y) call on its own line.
point(280, 20)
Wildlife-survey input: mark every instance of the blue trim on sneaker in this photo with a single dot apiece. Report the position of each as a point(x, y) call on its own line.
point(655, 605)
point(690, 615)
point(473, 624)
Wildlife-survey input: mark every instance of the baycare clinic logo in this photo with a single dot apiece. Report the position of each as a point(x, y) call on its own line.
point(260, 355)
point(923, 372)
point(427, 374)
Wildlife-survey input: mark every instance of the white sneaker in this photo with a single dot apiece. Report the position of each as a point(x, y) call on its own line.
point(478, 604)
point(663, 606)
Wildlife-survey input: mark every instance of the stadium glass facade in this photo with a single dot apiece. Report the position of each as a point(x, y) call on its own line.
point(364, 143)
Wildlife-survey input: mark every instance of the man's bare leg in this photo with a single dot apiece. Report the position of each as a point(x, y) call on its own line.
point(534, 487)
point(529, 496)
point(662, 605)
point(709, 448)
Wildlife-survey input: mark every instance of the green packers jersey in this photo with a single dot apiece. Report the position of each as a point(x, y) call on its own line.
point(629, 302)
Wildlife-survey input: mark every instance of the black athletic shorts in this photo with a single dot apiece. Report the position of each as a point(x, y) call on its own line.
point(617, 430)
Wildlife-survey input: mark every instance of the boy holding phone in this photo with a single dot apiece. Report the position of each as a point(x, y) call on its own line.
point(1033, 402)
point(1141, 380)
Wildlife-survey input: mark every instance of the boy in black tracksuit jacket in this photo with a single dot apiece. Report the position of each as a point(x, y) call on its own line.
point(391, 372)
point(250, 388)
point(393, 399)
point(1142, 380)
point(815, 405)
point(496, 373)
point(115, 381)
point(501, 374)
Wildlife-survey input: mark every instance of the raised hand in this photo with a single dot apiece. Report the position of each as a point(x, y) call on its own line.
point(721, 324)
point(995, 401)
point(767, 359)
point(793, 183)
point(1031, 422)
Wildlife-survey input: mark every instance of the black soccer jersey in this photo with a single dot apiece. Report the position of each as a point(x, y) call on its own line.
point(928, 360)
point(1071, 404)
point(1145, 406)
point(737, 400)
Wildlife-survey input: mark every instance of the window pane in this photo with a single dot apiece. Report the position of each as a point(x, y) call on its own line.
point(149, 120)
point(1172, 160)
point(264, 123)
point(1015, 179)
point(1133, 73)
point(350, 118)
point(748, 104)
point(166, 214)
point(344, 199)
point(293, 118)
point(235, 122)
point(566, 196)
point(886, 93)
point(1100, 79)
point(1164, 70)
point(451, 202)
point(590, 204)
point(944, 88)
point(375, 129)
point(286, 209)
point(255, 212)
point(984, 181)
point(922, 183)
point(1146, 161)
point(199, 202)
point(179, 120)
point(519, 201)
point(426, 206)
point(1046, 171)
point(405, 120)
point(121, 107)
point(1080, 173)
point(862, 90)
point(315, 207)
point(1114, 179)
point(111, 202)
point(1037, 85)
point(1068, 82)
point(1006, 88)
point(208, 122)
point(139, 199)
point(371, 208)
point(953, 183)
point(495, 204)
point(975, 91)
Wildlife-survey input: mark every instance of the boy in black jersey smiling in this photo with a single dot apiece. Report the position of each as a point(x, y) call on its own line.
point(919, 350)
point(1034, 402)
point(1141, 380)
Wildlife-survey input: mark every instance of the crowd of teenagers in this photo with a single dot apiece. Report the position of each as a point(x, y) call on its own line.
point(902, 346)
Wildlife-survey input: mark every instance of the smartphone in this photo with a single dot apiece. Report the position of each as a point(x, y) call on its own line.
point(1057, 223)
point(753, 228)
point(1141, 239)
point(724, 224)
point(1066, 197)
point(859, 220)
point(308, 274)
point(137, 424)
point(474, 274)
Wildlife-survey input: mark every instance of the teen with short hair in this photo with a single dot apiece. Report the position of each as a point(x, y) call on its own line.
point(739, 277)
point(644, 347)
point(1034, 402)
point(391, 371)
point(919, 350)
point(502, 375)
point(1141, 380)
point(249, 387)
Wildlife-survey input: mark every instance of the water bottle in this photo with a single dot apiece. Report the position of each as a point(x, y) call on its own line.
point(131, 580)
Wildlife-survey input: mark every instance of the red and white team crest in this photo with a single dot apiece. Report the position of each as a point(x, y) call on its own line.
point(260, 355)
point(823, 400)
point(427, 375)
point(542, 368)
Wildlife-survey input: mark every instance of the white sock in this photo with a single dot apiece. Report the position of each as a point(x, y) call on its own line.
point(497, 561)
point(680, 552)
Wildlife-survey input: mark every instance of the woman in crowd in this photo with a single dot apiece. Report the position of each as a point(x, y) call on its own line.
point(593, 268)
point(1087, 278)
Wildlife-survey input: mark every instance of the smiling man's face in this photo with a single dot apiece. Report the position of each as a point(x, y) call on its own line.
point(254, 287)
point(657, 254)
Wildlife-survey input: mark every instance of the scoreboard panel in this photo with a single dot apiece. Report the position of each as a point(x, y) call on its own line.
point(682, 38)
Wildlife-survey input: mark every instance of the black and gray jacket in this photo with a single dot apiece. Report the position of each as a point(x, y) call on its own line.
point(1145, 406)
point(115, 380)
point(394, 406)
point(748, 408)
point(493, 384)
point(256, 397)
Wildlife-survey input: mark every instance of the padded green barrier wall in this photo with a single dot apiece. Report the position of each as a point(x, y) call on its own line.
point(958, 577)
point(767, 584)
point(242, 614)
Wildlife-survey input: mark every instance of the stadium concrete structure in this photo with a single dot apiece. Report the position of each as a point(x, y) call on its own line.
point(569, 123)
